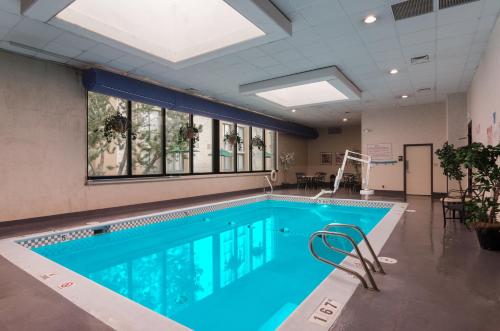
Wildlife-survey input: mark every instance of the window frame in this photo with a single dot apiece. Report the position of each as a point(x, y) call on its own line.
point(216, 143)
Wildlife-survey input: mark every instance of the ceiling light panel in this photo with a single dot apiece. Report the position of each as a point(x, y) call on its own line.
point(307, 88)
point(307, 94)
point(176, 30)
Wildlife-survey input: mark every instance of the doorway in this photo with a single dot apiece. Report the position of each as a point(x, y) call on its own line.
point(418, 169)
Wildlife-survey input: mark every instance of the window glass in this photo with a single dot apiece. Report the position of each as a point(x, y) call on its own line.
point(106, 157)
point(226, 147)
point(202, 152)
point(270, 150)
point(243, 148)
point(146, 148)
point(177, 148)
point(257, 154)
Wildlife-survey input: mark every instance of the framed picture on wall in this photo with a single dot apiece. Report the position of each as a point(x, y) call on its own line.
point(339, 158)
point(325, 158)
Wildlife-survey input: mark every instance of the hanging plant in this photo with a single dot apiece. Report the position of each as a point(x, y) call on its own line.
point(116, 126)
point(187, 132)
point(258, 142)
point(233, 138)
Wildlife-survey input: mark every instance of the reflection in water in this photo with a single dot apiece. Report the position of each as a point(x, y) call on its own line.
point(171, 280)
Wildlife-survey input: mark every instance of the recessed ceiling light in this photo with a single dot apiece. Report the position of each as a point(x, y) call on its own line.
point(393, 71)
point(294, 110)
point(404, 96)
point(306, 88)
point(370, 19)
point(345, 119)
point(174, 30)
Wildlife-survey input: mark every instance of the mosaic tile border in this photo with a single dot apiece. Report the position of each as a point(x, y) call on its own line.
point(113, 226)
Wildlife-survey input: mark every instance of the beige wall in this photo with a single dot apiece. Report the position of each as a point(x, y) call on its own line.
point(287, 143)
point(43, 149)
point(483, 99)
point(350, 138)
point(425, 124)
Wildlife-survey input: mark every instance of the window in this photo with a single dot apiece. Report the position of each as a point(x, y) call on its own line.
point(147, 140)
point(105, 157)
point(270, 150)
point(203, 153)
point(257, 154)
point(242, 150)
point(177, 149)
point(226, 147)
point(147, 147)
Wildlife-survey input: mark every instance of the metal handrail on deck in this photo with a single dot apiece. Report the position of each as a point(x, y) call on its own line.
point(359, 256)
point(268, 183)
point(368, 245)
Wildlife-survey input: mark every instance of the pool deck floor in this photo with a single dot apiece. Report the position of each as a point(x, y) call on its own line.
point(442, 281)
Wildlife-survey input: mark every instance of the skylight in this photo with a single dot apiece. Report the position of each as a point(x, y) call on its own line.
point(306, 94)
point(174, 30)
point(311, 87)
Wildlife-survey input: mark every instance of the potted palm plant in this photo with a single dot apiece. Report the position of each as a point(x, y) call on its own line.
point(451, 162)
point(483, 207)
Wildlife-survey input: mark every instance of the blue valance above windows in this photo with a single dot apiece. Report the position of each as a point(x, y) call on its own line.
point(105, 82)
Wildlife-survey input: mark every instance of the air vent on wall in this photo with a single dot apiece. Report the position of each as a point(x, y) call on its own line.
point(420, 59)
point(335, 130)
point(411, 8)
point(443, 4)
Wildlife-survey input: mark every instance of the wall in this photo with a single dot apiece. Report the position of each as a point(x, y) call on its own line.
point(412, 125)
point(350, 138)
point(483, 99)
point(43, 148)
point(299, 147)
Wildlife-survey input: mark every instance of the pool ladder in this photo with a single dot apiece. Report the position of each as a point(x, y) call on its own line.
point(365, 263)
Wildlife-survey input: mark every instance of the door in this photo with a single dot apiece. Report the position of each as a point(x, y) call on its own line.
point(418, 169)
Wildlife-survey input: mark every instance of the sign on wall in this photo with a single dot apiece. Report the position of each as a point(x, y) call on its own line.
point(379, 152)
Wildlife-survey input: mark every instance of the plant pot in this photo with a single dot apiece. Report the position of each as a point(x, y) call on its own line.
point(488, 236)
point(119, 125)
point(232, 141)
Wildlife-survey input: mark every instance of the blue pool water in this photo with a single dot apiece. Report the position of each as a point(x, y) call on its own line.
point(240, 268)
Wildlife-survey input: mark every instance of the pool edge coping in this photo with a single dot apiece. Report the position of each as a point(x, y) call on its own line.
point(122, 313)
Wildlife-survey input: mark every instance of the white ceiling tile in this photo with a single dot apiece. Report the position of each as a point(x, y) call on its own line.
point(321, 11)
point(418, 37)
point(106, 51)
point(351, 6)
point(457, 29)
point(459, 13)
point(414, 24)
point(8, 20)
point(11, 6)
point(133, 60)
point(33, 33)
point(72, 40)
point(67, 51)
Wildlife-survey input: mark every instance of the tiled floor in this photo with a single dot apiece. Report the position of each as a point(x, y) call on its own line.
point(443, 280)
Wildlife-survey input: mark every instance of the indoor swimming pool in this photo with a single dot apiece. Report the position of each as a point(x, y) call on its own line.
point(244, 267)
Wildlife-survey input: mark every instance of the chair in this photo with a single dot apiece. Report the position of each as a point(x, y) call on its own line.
point(319, 179)
point(301, 180)
point(454, 203)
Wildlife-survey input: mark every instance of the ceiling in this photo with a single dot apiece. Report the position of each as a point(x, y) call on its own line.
point(325, 33)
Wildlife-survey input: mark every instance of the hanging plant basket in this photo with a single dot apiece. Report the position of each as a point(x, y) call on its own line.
point(188, 132)
point(258, 142)
point(232, 138)
point(115, 126)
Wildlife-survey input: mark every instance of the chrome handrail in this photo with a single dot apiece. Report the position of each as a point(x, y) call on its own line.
point(358, 229)
point(323, 233)
point(269, 183)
